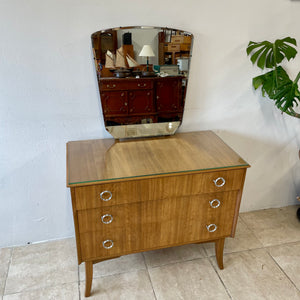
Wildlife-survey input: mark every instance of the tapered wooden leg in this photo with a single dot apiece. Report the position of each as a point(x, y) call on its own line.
point(88, 277)
point(219, 247)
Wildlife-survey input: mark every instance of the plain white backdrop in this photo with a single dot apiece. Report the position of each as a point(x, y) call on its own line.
point(49, 95)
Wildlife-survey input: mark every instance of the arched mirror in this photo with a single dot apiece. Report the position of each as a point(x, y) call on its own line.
point(142, 74)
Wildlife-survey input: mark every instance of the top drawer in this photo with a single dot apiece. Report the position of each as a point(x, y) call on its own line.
point(127, 84)
point(109, 194)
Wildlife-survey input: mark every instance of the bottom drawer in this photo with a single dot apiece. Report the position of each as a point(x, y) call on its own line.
point(156, 224)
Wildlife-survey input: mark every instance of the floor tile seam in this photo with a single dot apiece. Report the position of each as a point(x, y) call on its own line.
point(114, 274)
point(224, 285)
point(283, 244)
point(78, 283)
point(155, 297)
point(8, 267)
point(117, 273)
point(284, 272)
point(252, 230)
point(40, 287)
point(178, 262)
point(239, 251)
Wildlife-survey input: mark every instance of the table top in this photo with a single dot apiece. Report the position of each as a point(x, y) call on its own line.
point(105, 160)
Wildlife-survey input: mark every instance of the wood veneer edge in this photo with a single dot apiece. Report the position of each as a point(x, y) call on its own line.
point(76, 225)
point(237, 205)
point(103, 258)
point(141, 177)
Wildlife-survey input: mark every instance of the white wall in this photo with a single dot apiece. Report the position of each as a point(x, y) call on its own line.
point(49, 95)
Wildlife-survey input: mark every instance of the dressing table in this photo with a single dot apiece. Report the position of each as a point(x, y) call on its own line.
point(134, 195)
point(141, 195)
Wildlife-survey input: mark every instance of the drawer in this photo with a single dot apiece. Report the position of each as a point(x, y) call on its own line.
point(181, 39)
point(156, 224)
point(185, 47)
point(108, 194)
point(170, 47)
point(115, 217)
point(134, 84)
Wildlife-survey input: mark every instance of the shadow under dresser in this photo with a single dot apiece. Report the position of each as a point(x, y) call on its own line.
point(145, 194)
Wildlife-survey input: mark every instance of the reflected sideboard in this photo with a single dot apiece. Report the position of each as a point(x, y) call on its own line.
point(145, 194)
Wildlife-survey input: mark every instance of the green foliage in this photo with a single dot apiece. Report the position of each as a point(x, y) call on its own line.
point(276, 84)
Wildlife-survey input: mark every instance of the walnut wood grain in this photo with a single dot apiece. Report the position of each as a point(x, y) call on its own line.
point(93, 161)
point(219, 248)
point(161, 190)
point(157, 188)
point(88, 277)
point(89, 220)
point(152, 225)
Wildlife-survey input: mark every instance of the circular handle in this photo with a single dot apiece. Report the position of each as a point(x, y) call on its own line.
point(221, 181)
point(211, 227)
point(107, 244)
point(105, 192)
point(214, 203)
point(107, 219)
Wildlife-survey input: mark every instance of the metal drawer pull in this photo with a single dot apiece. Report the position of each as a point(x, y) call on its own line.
point(107, 244)
point(214, 203)
point(107, 219)
point(105, 192)
point(141, 85)
point(211, 227)
point(221, 181)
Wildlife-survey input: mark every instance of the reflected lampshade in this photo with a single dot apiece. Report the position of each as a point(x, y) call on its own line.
point(147, 51)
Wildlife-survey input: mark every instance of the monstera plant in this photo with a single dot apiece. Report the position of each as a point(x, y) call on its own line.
point(276, 83)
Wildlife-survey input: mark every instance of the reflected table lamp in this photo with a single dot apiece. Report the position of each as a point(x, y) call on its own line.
point(147, 52)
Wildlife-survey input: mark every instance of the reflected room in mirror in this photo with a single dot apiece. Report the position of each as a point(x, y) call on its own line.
point(142, 75)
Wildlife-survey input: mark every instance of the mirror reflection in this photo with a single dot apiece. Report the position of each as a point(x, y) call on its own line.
point(142, 75)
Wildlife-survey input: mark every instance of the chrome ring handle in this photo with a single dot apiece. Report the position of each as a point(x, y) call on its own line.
point(220, 181)
point(107, 244)
point(107, 219)
point(214, 203)
point(105, 192)
point(211, 227)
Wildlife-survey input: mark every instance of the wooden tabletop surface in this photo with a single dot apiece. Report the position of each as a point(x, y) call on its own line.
point(93, 161)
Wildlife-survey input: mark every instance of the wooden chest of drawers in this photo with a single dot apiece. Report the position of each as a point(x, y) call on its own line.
point(141, 195)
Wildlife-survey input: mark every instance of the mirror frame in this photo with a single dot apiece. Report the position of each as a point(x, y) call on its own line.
point(152, 128)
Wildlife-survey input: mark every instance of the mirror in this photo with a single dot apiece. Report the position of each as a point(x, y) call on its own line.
point(142, 75)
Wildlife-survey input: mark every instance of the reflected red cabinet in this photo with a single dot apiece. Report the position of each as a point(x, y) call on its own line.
point(137, 100)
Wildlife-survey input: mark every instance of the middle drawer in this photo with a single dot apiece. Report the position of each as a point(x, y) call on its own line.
point(109, 218)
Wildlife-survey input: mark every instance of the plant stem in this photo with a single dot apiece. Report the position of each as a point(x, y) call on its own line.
point(297, 78)
point(292, 113)
point(275, 65)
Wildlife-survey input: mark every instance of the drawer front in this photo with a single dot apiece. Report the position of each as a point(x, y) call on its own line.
point(109, 194)
point(156, 224)
point(134, 84)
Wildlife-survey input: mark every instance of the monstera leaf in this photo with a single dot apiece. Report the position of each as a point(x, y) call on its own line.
point(287, 96)
point(268, 55)
point(280, 88)
point(276, 84)
point(269, 81)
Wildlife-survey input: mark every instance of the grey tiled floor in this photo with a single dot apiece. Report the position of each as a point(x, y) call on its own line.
point(261, 262)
